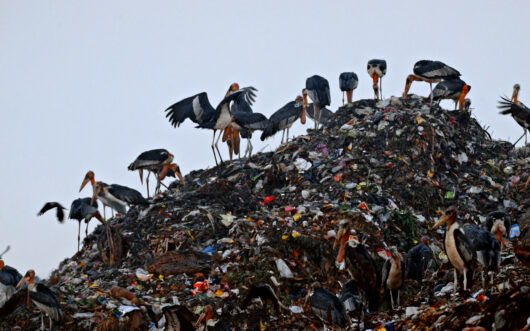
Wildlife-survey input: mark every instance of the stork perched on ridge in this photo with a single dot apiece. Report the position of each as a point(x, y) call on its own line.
point(377, 69)
point(9, 278)
point(149, 160)
point(519, 112)
point(430, 72)
point(348, 81)
point(199, 110)
point(283, 118)
point(454, 89)
point(317, 88)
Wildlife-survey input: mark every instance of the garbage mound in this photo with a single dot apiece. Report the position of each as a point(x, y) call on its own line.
point(244, 244)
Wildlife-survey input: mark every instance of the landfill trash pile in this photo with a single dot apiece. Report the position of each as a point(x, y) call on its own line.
point(244, 245)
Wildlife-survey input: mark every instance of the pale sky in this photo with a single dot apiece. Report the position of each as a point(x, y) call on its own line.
point(84, 84)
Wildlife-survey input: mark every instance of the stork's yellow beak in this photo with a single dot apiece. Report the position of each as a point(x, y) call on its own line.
point(441, 222)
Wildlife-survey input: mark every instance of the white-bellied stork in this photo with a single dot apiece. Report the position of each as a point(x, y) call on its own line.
point(42, 297)
point(519, 112)
point(377, 69)
point(458, 247)
point(348, 81)
point(246, 124)
point(454, 89)
point(156, 158)
point(283, 118)
point(393, 274)
point(318, 91)
point(118, 196)
point(50, 205)
point(199, 110)
point(418, 259)
point(359, 262)
point(486, 247)
point(83, 209)
point(430, 72)
point(9, 278)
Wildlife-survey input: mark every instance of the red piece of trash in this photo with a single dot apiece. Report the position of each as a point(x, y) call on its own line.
point(267, 200)
point(290, 209)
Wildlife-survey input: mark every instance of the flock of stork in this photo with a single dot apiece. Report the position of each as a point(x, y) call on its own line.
point(234, 119)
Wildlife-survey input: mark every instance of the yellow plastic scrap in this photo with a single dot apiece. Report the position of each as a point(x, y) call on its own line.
point(430, 174)
point(295, 234)
point(382, 329)
point(219, 293)
point(94, 285)
point(262, 326)
point(191, 236)
point(285, 236)
point(161, 277)
point(420, 120)
point(296, 217)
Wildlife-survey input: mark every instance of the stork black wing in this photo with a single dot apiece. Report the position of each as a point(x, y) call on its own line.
point(9, 276)
point(251, 121)
point(348, 81)
point(318, 90)
point(519, 111)
point(464, 247)
point(127, 194)
point(51, 205)
point(242, 100)
point(197, 108)
point(435, 70)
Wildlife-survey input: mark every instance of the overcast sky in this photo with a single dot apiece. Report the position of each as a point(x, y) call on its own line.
point(84, 84)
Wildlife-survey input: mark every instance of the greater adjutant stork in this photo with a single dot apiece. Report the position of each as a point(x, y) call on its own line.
point(318, 91)
point(458, 247)
point(9, 278)
point(377, 69)
point(519, 112)
point(199, 110)
point(246, 123)
point(418, 259)
point(486, 247)
point(283, 118)
point(90, 177)
point(42, 297)
point(325, 113)
point(156, 158)
point(359, 263)
point(119, 197)
point(430, 72)
point(84, 209)
point(393, 274)
point(454, 89)
point(50, 205)
point(348, 82)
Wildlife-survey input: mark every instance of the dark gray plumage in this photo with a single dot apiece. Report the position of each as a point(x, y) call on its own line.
point(418, 259)
point(348, 81)
point(151, 158)
point(283, 118)
point(325, 113)
point(350, 297)
point(50, 205)
point(434, 70)
point(486, 247)
point(519, 112)
point(9, 278)
point(327, 306)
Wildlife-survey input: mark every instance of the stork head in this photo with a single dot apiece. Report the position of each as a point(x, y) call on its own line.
point(515, 94)
point(176, 170)
point(169, 158)
point(450, 216)
point(28, 277)
point(342, 238)
point(98, 188)
point(395, 254)
point(89, 177)
point(233, 87)
point(499, 230)
point(408, 83)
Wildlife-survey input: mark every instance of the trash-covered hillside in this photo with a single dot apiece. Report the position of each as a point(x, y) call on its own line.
point(197, 255)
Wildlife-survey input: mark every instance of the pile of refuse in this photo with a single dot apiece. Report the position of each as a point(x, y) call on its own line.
point(201, 255)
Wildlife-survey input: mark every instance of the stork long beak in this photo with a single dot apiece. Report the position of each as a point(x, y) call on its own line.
point(515, 95)
point(22, 281)
point(180, 176)
point(465, 91)
point(169, 158)
point(89, 177)
point(341, 239)
point(141, 172)
point(85, 181)
point(408, 83)
point(441, 222)
point(164, 172)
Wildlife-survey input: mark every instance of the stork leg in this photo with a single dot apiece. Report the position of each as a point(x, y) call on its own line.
point(482, 277)
point(50, 323)
point(287, 139)
point(392, 299)
point(217, 145)
point(343, 98)
point(42, 321)
point(250, 148)
point(317, 116)
point(104, 216)
point(147, 183)
point(430, 85)
point(78, 235)
point(456, 282)
point(465, 279)
point(213, 148)
point(283, 134)
point(398, 297)
point(381, 88)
